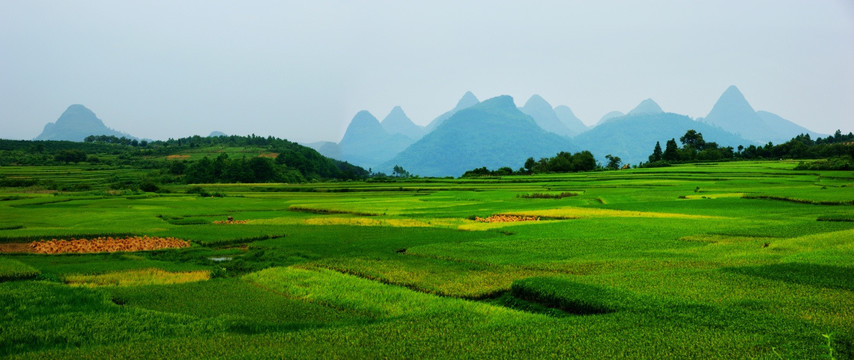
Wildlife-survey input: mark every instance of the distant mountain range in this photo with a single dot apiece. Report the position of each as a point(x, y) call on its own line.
point(468, 100)
point(496, 133)
point(547, 117)
point(733, 113)
point(493, 133)
point(75, 124)
point(631, 136)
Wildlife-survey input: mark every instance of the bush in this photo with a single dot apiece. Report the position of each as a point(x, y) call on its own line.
point(148, 186)
point(834, 163)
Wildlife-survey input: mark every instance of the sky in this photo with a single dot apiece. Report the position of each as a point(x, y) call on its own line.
point(301, 70)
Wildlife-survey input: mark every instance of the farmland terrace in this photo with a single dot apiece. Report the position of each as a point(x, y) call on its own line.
point(728, 260)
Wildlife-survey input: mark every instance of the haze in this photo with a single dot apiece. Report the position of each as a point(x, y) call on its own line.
point(301, 70)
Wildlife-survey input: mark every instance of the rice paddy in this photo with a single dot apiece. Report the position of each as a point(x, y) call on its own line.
point(730, 260)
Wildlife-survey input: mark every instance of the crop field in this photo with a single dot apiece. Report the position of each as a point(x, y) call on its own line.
point(739, 260)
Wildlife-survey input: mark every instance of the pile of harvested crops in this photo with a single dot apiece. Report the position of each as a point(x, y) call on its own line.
point(230, 222)
point(506, 218)
point(106, 244)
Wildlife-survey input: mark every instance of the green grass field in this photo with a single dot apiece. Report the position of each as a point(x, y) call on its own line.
point(705, 261)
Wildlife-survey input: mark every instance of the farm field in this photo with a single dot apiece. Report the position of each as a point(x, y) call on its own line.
point(723, 260)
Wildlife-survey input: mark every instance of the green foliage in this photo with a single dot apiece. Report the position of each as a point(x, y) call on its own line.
point(67, 156)
point(671, 151)
point(294, 163)
point(547, 196)
point(563, 162)
point(614, 162)
point(834, 163)
point(399, 171)
point(837, 149)
point(656, 153)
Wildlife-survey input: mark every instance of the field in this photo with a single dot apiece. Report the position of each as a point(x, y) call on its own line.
point(725, 260)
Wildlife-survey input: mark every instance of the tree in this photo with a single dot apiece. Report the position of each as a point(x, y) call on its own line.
point(584, 161)
point(693, 140)
point(400, 172)
point(68, 156)
point(530, 164)
point(671, 151)
point(614, 162)
point(263, 169)
point(656, 153)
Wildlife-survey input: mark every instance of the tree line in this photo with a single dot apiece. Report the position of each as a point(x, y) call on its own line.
point(293, 163)
point(563, 162)
point(695, 148)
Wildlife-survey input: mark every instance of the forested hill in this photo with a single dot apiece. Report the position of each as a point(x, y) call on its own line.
point(214, 159)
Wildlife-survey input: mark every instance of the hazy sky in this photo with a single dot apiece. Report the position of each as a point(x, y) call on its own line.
point(301, 69)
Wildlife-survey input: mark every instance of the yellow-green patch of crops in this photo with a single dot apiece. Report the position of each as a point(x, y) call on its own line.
point(57, 266)
point(136, 278)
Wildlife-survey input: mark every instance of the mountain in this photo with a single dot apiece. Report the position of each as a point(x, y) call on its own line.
point(493, 133)
point(217, 133)
point(609, 116)
point(326, 148)
point(544, 115)
point(733, 113)
point(646, 107)
point(466, 101)
point(367, 144)
point(781, 130)
point(633, 137)
point(572, 122)
point(75, 124)
point(396, 122)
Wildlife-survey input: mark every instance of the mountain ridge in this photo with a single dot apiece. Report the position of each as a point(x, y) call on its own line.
point(493, 133)
point(75, 124)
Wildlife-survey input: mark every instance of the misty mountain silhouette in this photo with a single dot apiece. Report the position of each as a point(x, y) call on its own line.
point(326, 148)
point(75, 124)
point(633, 137)
point(544, 115)
point(568, 118)
point(466, 101)
point(733, 113)
point(396, 122)
point(609, 116)
point(647, 106)
point(780, 130)
point(366, 143)
point(493, 133)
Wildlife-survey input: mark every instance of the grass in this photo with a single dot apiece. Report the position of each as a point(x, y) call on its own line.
point(136, 278)
point(688, 261)
point(11, 269)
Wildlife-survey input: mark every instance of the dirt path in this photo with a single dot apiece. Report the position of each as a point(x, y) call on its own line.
point(15, 248)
